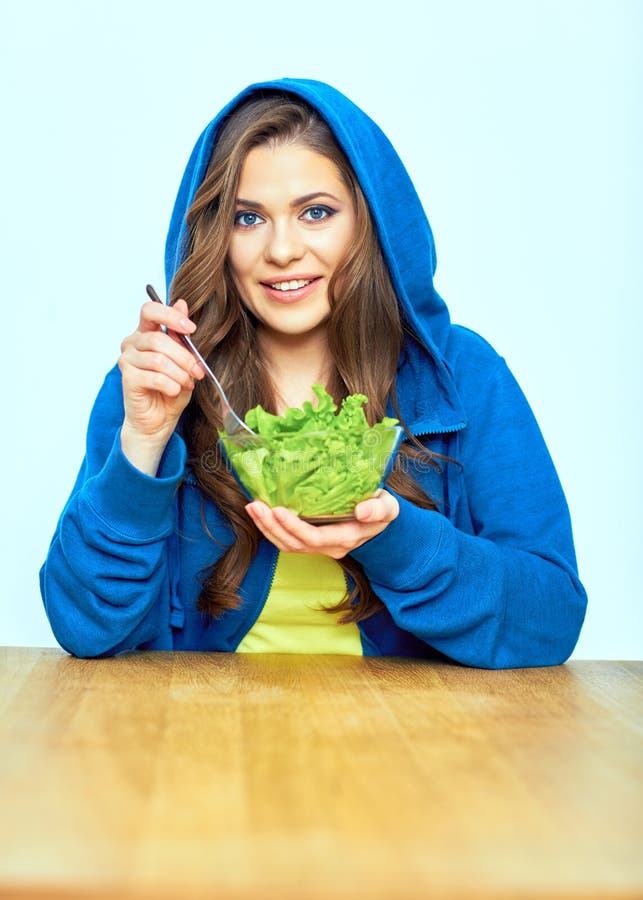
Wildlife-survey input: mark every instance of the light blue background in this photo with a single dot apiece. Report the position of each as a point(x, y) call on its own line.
point(521, 125)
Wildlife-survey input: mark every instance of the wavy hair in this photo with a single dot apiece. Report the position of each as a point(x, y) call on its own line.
point(365, 336)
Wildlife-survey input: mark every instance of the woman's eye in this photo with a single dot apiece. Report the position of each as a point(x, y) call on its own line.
point(247, 219)
point(318, 213)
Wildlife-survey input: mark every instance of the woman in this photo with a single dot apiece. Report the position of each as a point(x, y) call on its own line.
point(299, 253)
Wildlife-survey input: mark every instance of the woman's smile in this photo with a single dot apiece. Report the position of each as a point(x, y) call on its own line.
point(291, 288)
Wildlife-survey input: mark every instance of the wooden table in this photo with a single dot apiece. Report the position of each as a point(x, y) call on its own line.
point(186, 775)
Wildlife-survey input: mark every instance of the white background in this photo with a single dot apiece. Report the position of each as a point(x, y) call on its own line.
point(520, 123)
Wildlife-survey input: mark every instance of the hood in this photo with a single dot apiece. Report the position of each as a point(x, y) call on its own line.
point(427, 394)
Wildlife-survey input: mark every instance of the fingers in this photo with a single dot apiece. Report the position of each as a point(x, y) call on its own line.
point(266, 521)
point(291, 534)
point(162, 363)
point(152, 360)
point(154, 315)
point(381, 508)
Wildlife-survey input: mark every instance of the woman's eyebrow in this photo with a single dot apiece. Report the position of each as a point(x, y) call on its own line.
point(315, 196)
point(251, 203)
point(299, 201)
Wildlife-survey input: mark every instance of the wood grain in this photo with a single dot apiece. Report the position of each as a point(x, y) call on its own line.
point(194, 775)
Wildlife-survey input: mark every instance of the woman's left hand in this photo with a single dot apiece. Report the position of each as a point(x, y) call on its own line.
point(290, 533)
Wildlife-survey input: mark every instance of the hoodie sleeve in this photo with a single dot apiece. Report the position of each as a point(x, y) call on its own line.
point(105, 582)
point(508, 594)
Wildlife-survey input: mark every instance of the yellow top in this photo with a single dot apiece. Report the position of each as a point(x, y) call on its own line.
point(293, 619)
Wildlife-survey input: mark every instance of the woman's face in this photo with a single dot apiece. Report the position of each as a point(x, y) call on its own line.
point(294, 223)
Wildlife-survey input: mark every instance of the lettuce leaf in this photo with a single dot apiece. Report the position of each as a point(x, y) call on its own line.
point(315, 460)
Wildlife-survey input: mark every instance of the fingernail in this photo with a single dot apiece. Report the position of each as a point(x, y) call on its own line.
point(256, 511)
point(187, 325)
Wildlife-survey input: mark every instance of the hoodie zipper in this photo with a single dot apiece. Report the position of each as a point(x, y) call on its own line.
point(446, 429)
point(260, 607)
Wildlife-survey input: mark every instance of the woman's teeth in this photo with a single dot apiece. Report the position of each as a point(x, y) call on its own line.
point(290, 285)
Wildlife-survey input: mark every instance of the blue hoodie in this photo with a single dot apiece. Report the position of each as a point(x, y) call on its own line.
point(488, 580)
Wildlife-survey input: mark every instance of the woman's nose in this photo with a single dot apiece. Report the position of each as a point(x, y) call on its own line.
point(284, 243)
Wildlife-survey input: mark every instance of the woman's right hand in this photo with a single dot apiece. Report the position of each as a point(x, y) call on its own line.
point(158, 373)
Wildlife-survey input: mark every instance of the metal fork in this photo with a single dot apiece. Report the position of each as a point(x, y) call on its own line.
point(234, 427)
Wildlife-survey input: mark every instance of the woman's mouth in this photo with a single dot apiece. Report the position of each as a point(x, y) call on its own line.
point(290, 289)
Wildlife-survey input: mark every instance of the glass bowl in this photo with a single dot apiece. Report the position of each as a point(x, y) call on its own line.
point(320, 475)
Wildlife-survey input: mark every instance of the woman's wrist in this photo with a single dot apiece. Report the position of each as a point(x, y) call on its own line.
point(143, 451)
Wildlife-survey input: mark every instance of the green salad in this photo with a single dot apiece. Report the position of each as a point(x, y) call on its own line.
point(316, 460)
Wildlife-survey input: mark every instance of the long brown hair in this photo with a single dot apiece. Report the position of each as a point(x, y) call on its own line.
point(365, 335)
